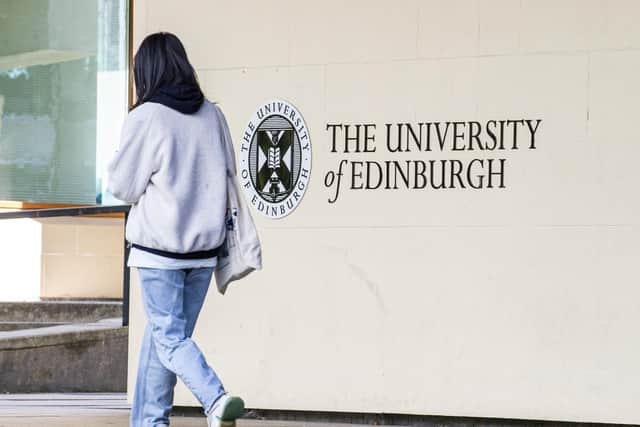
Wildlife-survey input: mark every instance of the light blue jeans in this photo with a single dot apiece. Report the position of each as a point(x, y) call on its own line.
point(172, 300)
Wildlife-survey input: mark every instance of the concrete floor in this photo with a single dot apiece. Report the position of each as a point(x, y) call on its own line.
point(97, 410)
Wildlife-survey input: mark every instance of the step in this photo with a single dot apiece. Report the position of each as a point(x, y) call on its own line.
point(81, 357)
point(59, 311)
point(13, 326)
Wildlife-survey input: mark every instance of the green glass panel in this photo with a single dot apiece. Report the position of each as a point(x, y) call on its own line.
point(62, 91)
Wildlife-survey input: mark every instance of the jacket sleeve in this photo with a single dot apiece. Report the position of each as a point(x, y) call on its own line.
point(135, 161)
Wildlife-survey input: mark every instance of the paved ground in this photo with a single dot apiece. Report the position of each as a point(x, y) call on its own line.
point(52, 409)
point(97, 410)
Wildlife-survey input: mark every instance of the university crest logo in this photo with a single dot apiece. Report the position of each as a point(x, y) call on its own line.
point(275, 158)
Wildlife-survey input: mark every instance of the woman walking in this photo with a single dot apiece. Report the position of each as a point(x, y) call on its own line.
point(171, 167)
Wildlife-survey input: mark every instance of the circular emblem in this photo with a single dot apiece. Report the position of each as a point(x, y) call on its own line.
point(275, 158)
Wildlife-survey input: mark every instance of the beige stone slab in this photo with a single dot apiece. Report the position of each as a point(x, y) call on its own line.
point(303, 86)
point(102, 240)
point(59, 238)
point(614, 24)
point(334, 31)
point(488, 319)
point(226, 33)
point(554, 183)
point(82, 257)
point(363, 93)
point(542, 319)
point(614, 91)
point(513, 303)
point(551, 25)
point(448, 28)
point(571, 25)
point(552, 85)
point(446, 89)
point(69, 276)
point(552, 88)
point(499, 26)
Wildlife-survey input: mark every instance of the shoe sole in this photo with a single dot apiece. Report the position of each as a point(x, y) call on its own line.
point(232, 410)
point(219, 423)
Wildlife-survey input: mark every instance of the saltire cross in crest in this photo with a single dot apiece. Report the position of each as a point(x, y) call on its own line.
point(275, 160)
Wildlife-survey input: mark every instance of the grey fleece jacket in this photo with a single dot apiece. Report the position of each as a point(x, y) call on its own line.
point(172, 168)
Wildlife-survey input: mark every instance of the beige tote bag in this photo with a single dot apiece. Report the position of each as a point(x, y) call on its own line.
point(241, 252)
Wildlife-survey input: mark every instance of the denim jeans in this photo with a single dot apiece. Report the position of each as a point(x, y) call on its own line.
point(172, 300)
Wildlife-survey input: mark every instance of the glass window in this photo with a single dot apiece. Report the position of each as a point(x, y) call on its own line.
point(63, 97)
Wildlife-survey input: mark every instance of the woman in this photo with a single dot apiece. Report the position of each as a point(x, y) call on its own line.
point(171, 167)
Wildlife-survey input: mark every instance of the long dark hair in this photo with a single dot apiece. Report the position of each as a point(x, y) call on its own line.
point(161, 61)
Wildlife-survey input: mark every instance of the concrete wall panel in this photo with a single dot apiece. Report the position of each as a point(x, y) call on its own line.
point(518, 302)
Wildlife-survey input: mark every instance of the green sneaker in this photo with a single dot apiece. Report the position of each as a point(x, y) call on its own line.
point(225, 411)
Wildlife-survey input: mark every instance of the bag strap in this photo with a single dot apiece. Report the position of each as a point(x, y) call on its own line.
point(210, 253)
point(226, 142)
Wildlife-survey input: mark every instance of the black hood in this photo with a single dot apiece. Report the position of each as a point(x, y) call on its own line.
point(183, 98)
